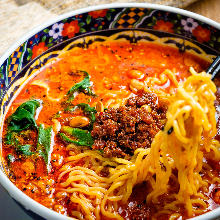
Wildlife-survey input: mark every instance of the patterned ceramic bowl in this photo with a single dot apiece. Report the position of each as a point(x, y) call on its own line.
point(132, 22)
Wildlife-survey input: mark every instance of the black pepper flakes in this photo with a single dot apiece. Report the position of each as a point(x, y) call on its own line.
point(170, 131)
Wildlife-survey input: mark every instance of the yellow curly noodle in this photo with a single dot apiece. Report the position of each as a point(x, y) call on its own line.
point(153, 82)
point(191, 115)
point(187, 135)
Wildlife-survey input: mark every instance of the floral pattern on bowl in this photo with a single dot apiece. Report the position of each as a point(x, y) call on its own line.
point(119, 18)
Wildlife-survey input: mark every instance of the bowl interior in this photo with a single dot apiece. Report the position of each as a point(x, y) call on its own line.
point(131, 24)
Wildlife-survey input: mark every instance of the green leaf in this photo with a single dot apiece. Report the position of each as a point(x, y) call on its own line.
point(81, 137)
point(82, 30)
point(43, 38)
point(24, 149)
point(89, 111)
point(83, 86)
point(108, 16)
point(29, 57)
point(46, 30)
point(154, 20)
point(81, 24)
point(30, 53)
point(29, 50)
point(213, 38)
point(179, 16)
point(211, 44)
point(88, 19)
point(23, 117)
point(45, 136)
point(50, 45)
point(11, 139)
point(100, 19)
point(100, 27)
point(50, 40)
point(1, 73)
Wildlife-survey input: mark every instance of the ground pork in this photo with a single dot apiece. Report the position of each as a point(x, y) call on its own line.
point(119, 132)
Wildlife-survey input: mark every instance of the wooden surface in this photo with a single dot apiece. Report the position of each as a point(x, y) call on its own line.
point(208, 8)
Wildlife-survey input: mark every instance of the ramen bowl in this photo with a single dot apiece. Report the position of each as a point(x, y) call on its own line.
point(131, 22)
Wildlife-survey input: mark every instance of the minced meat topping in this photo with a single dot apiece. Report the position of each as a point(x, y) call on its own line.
point(119, 132)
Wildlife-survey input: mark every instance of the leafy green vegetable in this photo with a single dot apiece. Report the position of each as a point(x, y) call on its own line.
point(11, 139)
point(89, 111)
point(24, 149)
point(23, 117)
point(81, 137)
point(83, 86)
point(67, 139)
point(8, 138)
point(44, 142)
